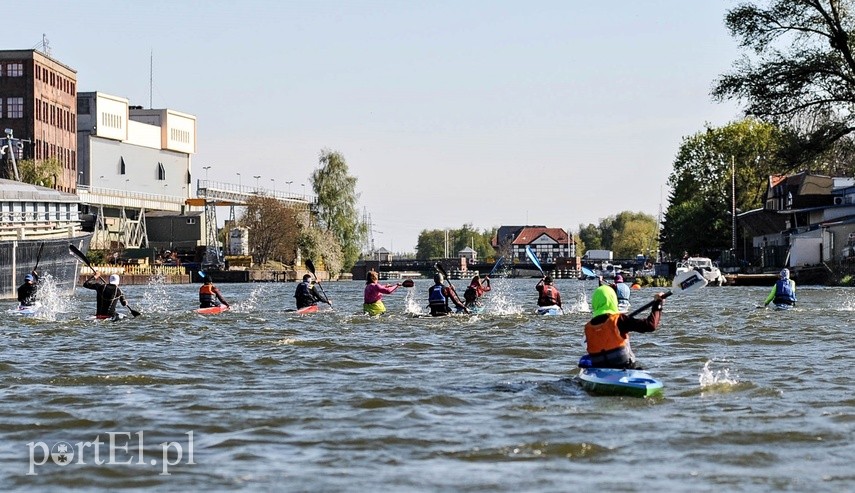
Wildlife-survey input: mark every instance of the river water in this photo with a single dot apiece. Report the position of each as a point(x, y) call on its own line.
point(261, 399)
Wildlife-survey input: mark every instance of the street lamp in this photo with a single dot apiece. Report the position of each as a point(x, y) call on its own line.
point(256, 182)
point(239, 186)
point(206, 168)
point(274, 185)
point(304, 190)
point(289, 186)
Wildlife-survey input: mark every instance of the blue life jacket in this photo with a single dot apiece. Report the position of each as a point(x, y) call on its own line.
point(784, 292)
point(435, 296)
point(622, 292)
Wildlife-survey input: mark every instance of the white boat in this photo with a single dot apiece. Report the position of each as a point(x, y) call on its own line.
point(705, 266)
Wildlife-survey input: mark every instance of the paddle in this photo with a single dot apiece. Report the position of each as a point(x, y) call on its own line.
point(73, 250)
point(496, 266)
point(534, 260)
point(39, 256)
point(441, 270)
point(536, 263)
point(685, 282)
point(311, 266)
point(588, 272)
point(408, 283)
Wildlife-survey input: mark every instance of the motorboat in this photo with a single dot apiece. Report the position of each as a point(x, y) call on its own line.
point(705, 266)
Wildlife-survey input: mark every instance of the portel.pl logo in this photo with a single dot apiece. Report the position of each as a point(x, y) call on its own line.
point(119, 448)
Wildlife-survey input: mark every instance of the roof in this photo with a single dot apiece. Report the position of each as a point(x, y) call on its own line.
point(467, 250)
point(530, 234)
point(18, 191)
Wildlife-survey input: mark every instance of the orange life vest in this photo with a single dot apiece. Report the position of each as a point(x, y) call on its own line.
point(207, 289)
point(605, 336)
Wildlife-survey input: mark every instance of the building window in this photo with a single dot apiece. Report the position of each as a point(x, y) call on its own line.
point(15, 70)
point(14, 107)
point(121, 165)
point(161, 172)
point(191, 220)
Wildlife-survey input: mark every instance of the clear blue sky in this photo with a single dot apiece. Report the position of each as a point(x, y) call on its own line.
point(448, 112)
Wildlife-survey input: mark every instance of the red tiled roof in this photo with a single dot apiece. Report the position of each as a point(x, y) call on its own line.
point(528, 235)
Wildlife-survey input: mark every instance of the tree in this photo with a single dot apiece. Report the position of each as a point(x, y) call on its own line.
point(315, 243)
point(591, 238)
point(337, 197)
point(431, 243)
point(637, 235)
point(797, 72)
point(708, 166)
point(43, 172)
point(273, 229)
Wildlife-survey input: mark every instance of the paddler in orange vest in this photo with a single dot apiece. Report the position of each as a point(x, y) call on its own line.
point(209, 295)
point(607, 333)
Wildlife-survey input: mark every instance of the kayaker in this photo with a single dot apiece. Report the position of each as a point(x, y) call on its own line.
point(475, 291)
point(27, 292)
point(109, 294)
point(607, 333)
point(784, 290)
point(210, 296)
point(439, 295)
point(620, 287)
point(548, 294)
point(372, 297)
point(308, 294)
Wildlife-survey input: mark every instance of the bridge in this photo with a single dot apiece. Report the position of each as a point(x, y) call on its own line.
point(229, 194)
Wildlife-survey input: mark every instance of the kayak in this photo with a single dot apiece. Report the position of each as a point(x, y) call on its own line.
point(610, 381)
point(212, 310)
point(25, 309)
point(783, 306)
point(112, 318)
point(308, 309)
point(549, 310)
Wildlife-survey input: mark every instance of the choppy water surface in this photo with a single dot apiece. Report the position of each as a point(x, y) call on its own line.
point(257, 398)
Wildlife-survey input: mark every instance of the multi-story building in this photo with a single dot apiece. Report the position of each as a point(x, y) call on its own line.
point(38, 102)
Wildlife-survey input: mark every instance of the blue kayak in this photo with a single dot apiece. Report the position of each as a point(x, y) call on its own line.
point(609, 381)
point(549, 310)
point(783, 306)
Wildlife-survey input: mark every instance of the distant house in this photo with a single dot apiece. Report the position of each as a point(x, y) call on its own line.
point(807, 219)
point(548, 244)
point(469, 254)
point(384, 255)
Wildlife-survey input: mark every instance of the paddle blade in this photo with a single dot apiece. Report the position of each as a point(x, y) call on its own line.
point(408, 283)
point(687, 282)
point(134, 312)
point(533, 259)
point(496, 266)
point(440, 269)
point(73, 250)
point(588, 272)
point(311, 266)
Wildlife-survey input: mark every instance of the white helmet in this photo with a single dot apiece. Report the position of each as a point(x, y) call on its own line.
point(114, 279)
point(785, 273)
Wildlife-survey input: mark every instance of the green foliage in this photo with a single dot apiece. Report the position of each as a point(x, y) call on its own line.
point(337, 213)
point(273, 229)
point(320, 244)
point(708, 166)
point(431, 243)
point(627, 234)
point(796, 71)
point(43, 172)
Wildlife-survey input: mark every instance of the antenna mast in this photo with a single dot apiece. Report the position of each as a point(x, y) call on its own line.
point(150, 78)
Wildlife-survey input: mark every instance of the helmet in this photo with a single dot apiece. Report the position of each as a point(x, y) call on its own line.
point(114, 279)
point(785, 273)
point(306, 277)
point(618, 278)
point(437, 278)
point(28, 277)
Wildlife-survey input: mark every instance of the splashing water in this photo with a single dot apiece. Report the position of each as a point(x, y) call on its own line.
point(52, 299)
point(710, 378)
point(411, 304)
point(580, 305)
point(499, 300)
point(256, 296)
point(155, 297)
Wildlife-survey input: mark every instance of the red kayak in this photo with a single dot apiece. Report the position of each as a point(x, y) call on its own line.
point(211, 310)
point(308, 309)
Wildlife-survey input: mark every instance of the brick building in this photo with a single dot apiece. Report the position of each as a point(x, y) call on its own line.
point(38, 102)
